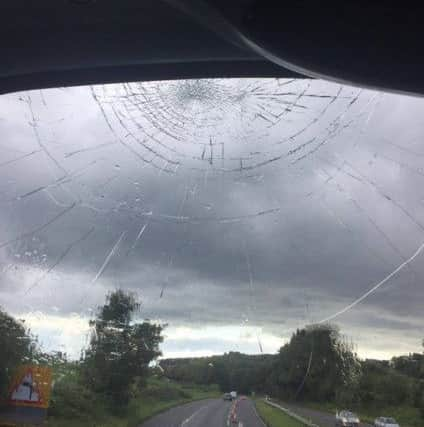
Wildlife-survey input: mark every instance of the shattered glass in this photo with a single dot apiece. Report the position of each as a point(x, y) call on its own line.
point(237, 209)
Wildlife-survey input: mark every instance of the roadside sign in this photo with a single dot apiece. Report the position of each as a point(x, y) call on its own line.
point(31, 386)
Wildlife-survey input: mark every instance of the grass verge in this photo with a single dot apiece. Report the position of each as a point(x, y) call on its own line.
point(158, 396)
point(274, 417)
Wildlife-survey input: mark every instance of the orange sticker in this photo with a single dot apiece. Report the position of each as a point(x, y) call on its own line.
point(31, 386)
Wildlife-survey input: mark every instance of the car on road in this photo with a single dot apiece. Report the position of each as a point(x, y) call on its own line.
point(227, 396)
point(385, 422)
point(346, 419)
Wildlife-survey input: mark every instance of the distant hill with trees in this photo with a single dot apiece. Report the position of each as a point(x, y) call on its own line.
point(317, 365)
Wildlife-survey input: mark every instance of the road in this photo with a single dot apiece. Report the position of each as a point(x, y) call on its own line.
point(207, 413)
point(247, 415)
point(322, 419)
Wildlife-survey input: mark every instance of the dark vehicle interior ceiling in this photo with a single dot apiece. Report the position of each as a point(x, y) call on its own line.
point(52, 43)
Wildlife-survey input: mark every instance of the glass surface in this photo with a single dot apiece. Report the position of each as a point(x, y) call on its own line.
point(235, 212)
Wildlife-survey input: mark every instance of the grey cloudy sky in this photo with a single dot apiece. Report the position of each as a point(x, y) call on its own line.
point(237, 210)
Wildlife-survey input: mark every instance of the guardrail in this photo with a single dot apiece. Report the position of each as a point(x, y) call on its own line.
point(290, 413)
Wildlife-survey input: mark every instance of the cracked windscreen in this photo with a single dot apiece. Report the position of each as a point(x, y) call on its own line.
point(211, 252)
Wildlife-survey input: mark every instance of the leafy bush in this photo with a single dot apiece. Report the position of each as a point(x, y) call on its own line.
point(72, 400)
point(381, 385)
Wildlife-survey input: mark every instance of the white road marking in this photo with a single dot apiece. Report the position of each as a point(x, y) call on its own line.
point(187, 420)
point(304, 421)
point(256, 413)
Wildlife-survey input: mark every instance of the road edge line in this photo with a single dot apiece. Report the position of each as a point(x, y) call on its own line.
point(257, 414)
point(290, 413)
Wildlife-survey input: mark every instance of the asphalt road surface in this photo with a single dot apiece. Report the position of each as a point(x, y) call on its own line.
point(322, 419)
point(207, 413)
point(247, 415)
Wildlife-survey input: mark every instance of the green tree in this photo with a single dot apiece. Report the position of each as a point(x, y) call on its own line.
point(318, 364)
point(17, 347)
point(230, 371)
point(382, 385)
point(411, 365)
point(221, 375)
point(120, 350)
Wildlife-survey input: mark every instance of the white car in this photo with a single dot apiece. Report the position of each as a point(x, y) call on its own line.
point(346, 419)
point(385, 422)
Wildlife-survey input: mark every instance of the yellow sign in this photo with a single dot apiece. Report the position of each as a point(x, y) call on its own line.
point(31, 386)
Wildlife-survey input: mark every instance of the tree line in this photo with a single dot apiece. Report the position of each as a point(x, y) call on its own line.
point(317, 365)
